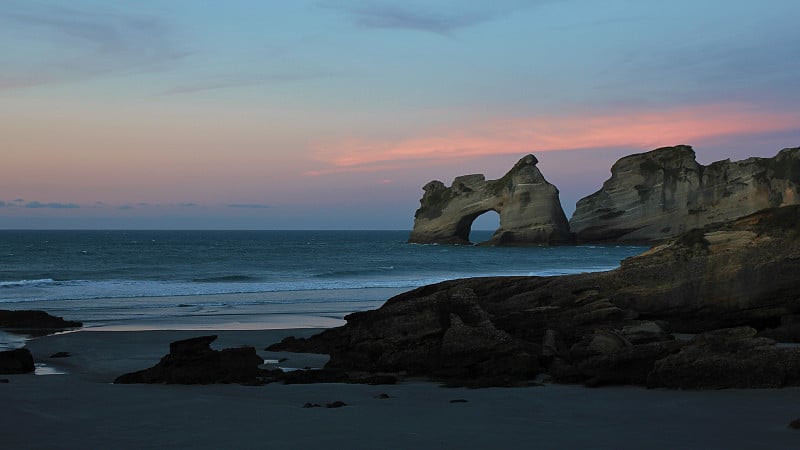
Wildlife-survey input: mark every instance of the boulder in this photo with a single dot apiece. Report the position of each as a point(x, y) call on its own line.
point(665, 192)
point(192, 361)
point(16, 361)
point(529, 208)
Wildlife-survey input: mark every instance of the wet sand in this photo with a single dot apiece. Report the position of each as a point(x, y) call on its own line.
point(83, 409)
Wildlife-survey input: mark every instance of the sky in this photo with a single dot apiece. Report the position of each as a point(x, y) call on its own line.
point(323, 114)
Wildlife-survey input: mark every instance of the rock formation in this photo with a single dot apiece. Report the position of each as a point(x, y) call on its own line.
point(34, 322)
point(529, 208)
point(16, 361)
point(662, 193)
point(193, 361)
point(728, 358)
point(598, 328)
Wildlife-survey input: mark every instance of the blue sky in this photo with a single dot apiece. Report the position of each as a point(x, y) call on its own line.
point(333, 114)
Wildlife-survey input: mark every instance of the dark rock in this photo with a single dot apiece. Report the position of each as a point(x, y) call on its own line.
point(16, 361)
point(382, 396)
point(728, 358)
point(795, 424)
point(625, 364)
point(35, 323)
point(787, 331)
point(60, 355)
point(336, 404)
point(376, 380)
point(552, 345)
point(312, 405)
point(314, 376)
point(4, 380)
point(445, 336)
point(192, 361)
point(563, 371)
point(458, 400)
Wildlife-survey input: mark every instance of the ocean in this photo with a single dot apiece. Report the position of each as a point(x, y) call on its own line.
point(234, 279)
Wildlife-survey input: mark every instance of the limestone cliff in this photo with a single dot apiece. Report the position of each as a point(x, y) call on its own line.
point(664, 192)
point(529, 208)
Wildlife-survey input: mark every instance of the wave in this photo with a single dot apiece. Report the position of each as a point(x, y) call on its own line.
point(85, 290)
point(225, 279)
point(570, 271)
point(22, 283)
point(381, 270)
point(48, 289)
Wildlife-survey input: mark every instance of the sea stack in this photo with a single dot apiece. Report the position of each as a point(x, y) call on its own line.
point(662, 193)
point(529, 208)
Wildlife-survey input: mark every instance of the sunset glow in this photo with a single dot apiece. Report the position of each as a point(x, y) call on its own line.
point(154, 114)
point(641, 129)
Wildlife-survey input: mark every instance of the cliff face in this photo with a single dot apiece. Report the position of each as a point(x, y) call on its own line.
point(664, 192)
point(529, 208)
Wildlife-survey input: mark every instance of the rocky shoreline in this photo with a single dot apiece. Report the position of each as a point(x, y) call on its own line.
point(702, 309)
point(30, 323)
point(732, 284)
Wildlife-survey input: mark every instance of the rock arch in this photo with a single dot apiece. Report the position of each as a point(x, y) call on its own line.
point(529, 209)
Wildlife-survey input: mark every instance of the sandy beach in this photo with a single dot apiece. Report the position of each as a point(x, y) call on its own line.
point(81, 408)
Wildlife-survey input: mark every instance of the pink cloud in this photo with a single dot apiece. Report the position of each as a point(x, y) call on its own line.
point(637, 129)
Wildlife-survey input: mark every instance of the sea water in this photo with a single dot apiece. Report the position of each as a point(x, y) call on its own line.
point(303, 276)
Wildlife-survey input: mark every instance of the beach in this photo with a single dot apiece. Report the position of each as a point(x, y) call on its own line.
point(81, 408)
point(136, 292)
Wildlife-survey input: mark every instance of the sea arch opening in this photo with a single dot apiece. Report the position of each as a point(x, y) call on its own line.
point(483, 226)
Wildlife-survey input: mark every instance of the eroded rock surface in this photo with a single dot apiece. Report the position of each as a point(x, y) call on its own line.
point(728, 358)
point(597, 328)
point(529, 208)
point(665, 192)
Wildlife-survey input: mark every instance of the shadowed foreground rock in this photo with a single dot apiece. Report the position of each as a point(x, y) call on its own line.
point(193, 361)
point(34, 322)
point(729, 358)
point(598, 328)
point(16, 361)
